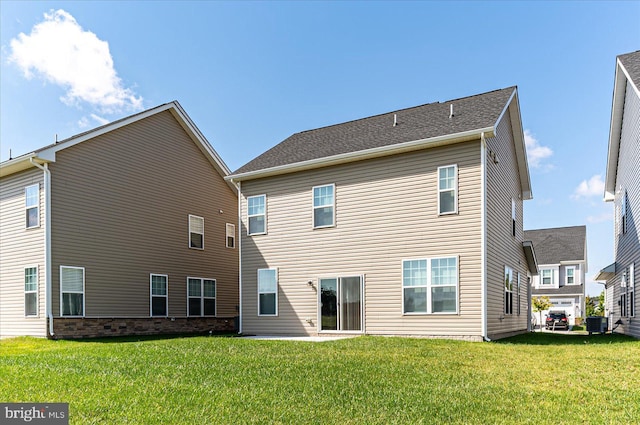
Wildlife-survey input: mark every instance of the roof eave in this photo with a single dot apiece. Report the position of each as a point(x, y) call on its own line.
point(365, 154)
point(530, 256)
point(19, 164)
point(513, 107)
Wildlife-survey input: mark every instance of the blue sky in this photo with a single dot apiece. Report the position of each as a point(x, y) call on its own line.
point(252, 73)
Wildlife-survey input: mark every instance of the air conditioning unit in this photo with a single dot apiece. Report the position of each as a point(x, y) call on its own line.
point(597, 324)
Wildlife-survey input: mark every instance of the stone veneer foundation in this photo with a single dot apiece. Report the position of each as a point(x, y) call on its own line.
point(82, 327)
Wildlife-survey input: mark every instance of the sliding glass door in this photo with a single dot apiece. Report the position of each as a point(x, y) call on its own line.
point(341, 304)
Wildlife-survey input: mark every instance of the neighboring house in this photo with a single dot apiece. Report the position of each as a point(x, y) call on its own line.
point(125, 229)
point(562, 260)
point(622, 187)
point(405, 223)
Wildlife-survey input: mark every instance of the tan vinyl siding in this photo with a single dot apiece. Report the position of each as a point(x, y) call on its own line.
point(121, 206)
point(627, 245)
point(503, 249)
point(20, 248)
point(386, 212)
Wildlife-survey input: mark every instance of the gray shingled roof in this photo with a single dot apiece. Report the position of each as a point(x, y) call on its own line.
point(417, 123)
point(558, 244)
point(631, 62)
point(563, 290)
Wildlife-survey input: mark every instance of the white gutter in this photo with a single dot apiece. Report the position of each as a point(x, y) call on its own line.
point(47, 241)
point(239, 257)
point(364, 154)
point(483, 234)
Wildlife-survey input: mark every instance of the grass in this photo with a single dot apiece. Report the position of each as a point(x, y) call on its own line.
point(533, 378)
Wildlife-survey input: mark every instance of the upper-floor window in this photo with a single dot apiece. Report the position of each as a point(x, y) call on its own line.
point(71, 291)
point(324, 206)
point(267, 292)
point(508, 290)
point(230, 230)
point(201, 297)
point(257, 212)
point(513, 216)
point(447, 189)
point(196, 232)
point(546, 277)
point(31, 291)
point(32, 205)
point(159, 294)
point(430, 285)
point(623, 213)
point(570, 276)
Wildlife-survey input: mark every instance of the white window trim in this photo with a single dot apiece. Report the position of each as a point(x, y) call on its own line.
point(314, 207)
point(508, 290)
point(513, 217)
point(84, 304)
point(193, 231)
point(518, 295)
point(230, 234)
point(201, 297)
point(28, 207)
point(166, 297)
point(257, 215)
point(455, 189)
point(575, 275)
point(276, 292)
point(623, 213)
point(551, 283)
point(429, 286)
point(362, 315)
point(631, 290)
point(32, 292)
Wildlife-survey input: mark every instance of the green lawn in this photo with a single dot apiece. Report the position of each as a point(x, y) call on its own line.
point(534, 378)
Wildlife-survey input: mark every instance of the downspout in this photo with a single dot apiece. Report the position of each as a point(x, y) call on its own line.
point(483, 234)
point(239, 257)
point(47, 241)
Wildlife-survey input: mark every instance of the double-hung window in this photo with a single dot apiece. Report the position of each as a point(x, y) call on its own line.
point(159, 295)
point(324, 207)
point(447, 189)
point(196, 232)
point(570, 276)
point(546, 276)
point(513, 216)
point(71, 291)
point(230, 230)
point(623, 214)
point(630, 291)
point(518, 297)
point(32, 206)
point(430, 285)
point(508, 290)
point(257, 214)
point(201, 294)
point(267, 292)
point(31, 291)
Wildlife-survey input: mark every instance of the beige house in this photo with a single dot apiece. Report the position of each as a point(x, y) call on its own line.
point(561, 253)
point(125, 229)
point(404, 223)
point(622, 187)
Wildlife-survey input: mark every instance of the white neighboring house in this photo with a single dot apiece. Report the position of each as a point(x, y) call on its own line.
point(562, 260)
point(622, 187)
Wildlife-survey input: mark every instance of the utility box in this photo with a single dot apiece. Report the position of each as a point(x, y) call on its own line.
point(597, 324)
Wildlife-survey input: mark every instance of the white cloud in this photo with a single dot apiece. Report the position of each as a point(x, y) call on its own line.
point(100, 120)
point(535, 152)
point(60, 51)
point(589, 188)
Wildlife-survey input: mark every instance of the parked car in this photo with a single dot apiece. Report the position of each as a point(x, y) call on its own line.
point(557, 320)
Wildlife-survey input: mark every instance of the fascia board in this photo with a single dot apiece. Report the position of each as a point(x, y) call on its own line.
point(615, 129)
point(365, 154)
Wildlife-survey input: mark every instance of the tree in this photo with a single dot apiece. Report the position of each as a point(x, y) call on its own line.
point(595, 305)
point(539, 304)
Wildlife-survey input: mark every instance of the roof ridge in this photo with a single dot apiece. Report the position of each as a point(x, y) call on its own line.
point(403, 109)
